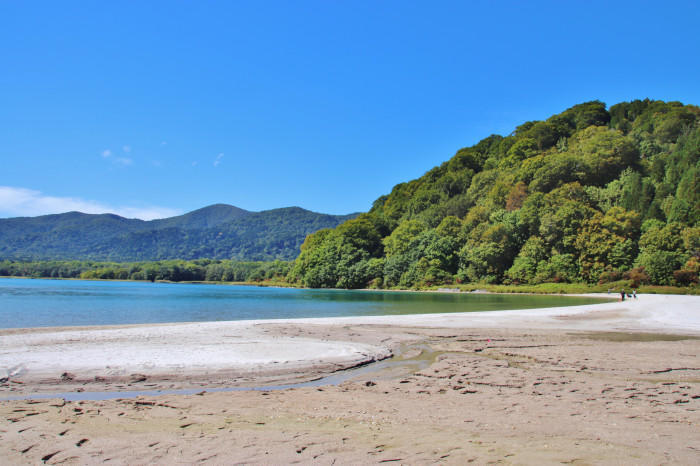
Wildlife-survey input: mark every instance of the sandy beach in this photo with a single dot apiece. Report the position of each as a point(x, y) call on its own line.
point(609, 383)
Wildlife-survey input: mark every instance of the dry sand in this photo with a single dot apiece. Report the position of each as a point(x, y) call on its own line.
point(612, 383)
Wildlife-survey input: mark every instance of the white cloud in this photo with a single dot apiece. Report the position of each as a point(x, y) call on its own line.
point(123, 161)
point(217, 161)
point(23, 202)
point(126, 149)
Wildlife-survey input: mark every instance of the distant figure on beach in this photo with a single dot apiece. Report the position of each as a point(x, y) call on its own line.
point(634, 294)
point(622, 295)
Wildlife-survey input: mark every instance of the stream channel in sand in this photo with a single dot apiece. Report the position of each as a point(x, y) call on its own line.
point(407, 359)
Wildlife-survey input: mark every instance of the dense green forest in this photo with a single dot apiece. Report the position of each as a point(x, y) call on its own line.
point(589, 195)
point(215, 232)
point(170, 270)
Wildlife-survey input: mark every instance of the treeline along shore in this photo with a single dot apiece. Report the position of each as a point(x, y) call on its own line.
point(199, 270)
point(276, 273)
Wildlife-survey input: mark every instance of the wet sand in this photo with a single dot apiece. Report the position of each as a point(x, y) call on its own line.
point(604, 384)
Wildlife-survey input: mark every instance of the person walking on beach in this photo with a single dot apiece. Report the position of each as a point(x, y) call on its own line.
point(622, 295)
point(634, 294)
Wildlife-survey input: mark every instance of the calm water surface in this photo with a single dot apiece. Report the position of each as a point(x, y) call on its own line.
point(47, 303)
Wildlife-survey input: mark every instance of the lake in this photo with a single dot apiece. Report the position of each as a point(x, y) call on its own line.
point(48, 303)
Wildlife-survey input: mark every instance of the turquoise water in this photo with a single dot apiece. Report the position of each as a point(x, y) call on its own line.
point(48, 303)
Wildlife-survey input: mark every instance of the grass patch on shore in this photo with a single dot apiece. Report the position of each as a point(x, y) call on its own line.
point(542, 288)
point(264, 283)
point(571, 288)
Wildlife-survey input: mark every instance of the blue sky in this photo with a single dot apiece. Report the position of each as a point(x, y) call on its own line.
point(149, 109)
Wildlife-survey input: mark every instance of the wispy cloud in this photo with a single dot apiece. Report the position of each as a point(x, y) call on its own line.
point(164, 143)
point(23, 202)
point(218, 158)
point(121, 161)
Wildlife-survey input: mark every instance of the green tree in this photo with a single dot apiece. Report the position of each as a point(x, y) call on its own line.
point(607, 242)
point(401, 238)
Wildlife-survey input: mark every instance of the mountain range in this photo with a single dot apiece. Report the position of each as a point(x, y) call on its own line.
point(218, 231)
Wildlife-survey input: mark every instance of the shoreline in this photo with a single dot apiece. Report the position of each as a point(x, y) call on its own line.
point(611, 383)
point(282, 351)
point(592, 289)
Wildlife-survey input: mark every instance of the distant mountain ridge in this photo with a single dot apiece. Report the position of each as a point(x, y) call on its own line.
point(219, 231)
point(206, 217)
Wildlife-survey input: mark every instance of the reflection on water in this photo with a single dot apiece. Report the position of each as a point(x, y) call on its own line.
point(42, 303)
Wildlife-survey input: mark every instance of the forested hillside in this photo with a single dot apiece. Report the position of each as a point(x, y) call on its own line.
point(589, 195)
point(216, 232)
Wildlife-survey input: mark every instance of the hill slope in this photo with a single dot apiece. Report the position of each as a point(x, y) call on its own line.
point(590, 194)
point(216, 232)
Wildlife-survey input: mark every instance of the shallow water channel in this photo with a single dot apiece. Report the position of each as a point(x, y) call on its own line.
point(408, 359)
